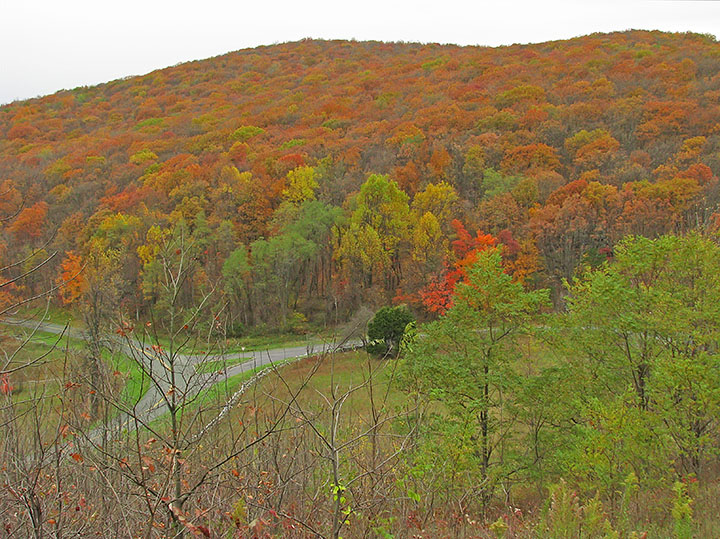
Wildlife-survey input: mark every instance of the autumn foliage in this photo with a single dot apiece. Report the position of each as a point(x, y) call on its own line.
point(555, 151)
point(300, 186)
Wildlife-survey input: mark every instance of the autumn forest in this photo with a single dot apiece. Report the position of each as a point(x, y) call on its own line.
point(514, 252)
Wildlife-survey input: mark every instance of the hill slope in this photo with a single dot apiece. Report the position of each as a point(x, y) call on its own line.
point(558, 149)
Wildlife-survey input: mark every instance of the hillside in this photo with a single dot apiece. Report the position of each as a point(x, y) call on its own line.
point(524, 238)
point(557, 150)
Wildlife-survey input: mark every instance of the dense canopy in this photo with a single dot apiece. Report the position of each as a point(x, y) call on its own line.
point(393, 150)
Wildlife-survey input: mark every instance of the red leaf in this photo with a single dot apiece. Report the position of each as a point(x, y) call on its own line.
point(5, 387)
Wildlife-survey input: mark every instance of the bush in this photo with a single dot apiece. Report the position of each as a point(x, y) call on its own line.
point(387, 328)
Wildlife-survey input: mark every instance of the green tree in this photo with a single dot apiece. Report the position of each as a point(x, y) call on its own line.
point(386, 329)
point(293, 264)
point(646, 327)
point(277, 271)
point(495, 183)
point(466, 361)
point(237, 276)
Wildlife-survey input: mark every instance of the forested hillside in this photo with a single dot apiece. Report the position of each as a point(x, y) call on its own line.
point(535, 229)
point(305, 179)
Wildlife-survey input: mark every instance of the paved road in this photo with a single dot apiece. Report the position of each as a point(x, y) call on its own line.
point(175, 375)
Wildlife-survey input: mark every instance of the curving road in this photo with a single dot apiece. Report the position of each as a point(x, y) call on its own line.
point(175, 376)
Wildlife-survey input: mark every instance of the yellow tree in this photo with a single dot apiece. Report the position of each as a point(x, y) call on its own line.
point(441, 200)
point(380, 224)
point(301, 185)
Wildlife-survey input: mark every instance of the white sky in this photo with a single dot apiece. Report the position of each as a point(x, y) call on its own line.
point(48, 45)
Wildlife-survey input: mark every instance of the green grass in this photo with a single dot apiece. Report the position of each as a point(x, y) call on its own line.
point(237, 345)
point(53, 314)
point(128, 379)
point(38, 337)
point(216, 395)
point(220, 364)
point(135, 383)
point(339, 373)
point(264, 342)
point(43, 364)
point(221, 391)
point(38, 383)
point(252, 342)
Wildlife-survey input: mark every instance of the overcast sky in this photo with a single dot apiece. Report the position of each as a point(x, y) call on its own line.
point(49, 45)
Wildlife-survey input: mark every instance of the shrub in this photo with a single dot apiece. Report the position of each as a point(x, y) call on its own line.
point(387, 328)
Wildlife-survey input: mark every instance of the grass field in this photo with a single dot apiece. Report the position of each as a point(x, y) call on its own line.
point(329, 377)
point(52, 314)
point(57, 360)
point(236, 345)
point(338, 373)
point(211, 400)
point(217, 365)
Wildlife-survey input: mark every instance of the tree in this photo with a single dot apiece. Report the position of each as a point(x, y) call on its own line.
point(465, 359)
point(171, 409)
point(312, 221)
point(237, 276)
point(429, 252)
point(31, 423)
point(94, 285)
point(386, 329)
point(648, 321)
point(437, 296)
point(592, 149)
point(439, 199)
point(301, 185)
point(30, 222)
point(277, 269)
point(380, 220)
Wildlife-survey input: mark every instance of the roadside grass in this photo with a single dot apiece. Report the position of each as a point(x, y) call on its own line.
point(340, 373)
point(136, 382)
point(212, 399)
point(336, 373)
point(217, 365)
point(57, 347)
point(38, 386)
point(38, 337)
point(278, 340)
point(43, 370)
point(127, 380)
point(52, 314)
point(255, 343)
